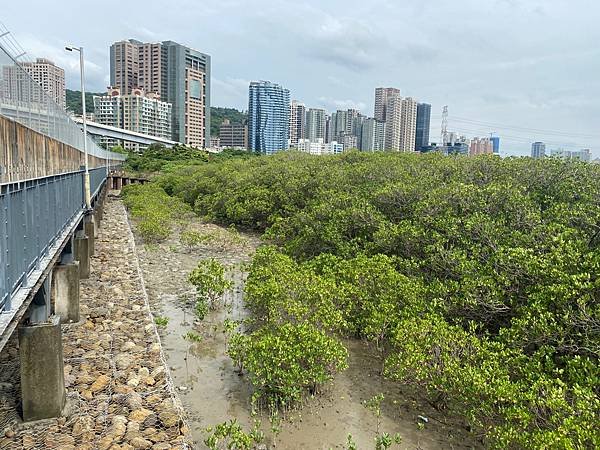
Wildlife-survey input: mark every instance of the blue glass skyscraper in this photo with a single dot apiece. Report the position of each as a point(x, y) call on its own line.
point(423, 125)
point(268, 117)
point(496, 144)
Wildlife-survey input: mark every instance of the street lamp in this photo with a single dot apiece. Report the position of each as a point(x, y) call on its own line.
point(86, 179)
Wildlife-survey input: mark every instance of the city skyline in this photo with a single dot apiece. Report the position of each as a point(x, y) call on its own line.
point(535, 73)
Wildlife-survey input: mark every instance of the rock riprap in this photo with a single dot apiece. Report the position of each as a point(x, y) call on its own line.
point(119, 392)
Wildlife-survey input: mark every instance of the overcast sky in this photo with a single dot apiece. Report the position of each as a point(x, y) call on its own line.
point(528, 69)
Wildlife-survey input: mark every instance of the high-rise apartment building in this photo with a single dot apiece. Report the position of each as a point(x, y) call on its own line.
point(178, 74)
point(297, 122)
point(538, 150)
point(315, 124)
point(338, 124)
point(495, 144)
point(423, 126)
point(233, 135)
point(582, 155)
point(356, 128)
point(346, 123)
point(408, 125)
point(393, 122)
point(481, 146)
point(328, 129)
point(400, 117)
point(108, 109)
point(124, 65)
point(349, 141)
point(373, 135)
point(268, 117)
point(138, 111)
point(382, 96)
point(44, 72)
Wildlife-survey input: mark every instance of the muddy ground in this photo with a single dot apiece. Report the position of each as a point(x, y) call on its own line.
point(212, 392)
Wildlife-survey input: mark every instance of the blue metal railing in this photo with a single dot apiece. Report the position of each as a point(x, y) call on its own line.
point(33, 215)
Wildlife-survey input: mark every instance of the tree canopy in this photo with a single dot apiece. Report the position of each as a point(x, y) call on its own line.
point(476, 278)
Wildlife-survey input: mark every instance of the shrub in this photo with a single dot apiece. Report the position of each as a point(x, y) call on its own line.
point(210, 282)
point(230, 435)
point(155, 212)
point(284, 363)
point(476, 277)
point(161, 321)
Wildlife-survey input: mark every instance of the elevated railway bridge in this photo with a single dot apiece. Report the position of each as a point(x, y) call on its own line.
point(47, 229)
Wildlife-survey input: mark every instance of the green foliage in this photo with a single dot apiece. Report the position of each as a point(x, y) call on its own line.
point(192, 337)
point(73, 101)
point(210, 282)
point(217, 115)
point(478, 278)
point(350, 444)
point(191, 239)
point(231, 436)
point(155, 212)
point(154, 209)
point(286, 362)
point(157, 157)
point(384, 440)
point(161, 321)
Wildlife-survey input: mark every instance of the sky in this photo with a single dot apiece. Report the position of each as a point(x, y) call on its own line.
point(527, 70)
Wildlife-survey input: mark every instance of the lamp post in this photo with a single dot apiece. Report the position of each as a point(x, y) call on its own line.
point(86, 179)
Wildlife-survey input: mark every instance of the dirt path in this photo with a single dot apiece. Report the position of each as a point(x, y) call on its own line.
point(212, 392)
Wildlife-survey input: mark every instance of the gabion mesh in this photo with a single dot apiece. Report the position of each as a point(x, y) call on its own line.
point(119, 393)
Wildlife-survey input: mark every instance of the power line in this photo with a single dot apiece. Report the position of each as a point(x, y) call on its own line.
point(522, 139)
point(522, 129)
point(525, 129)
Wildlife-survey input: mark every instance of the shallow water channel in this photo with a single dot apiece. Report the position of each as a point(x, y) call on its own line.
point(212, 391)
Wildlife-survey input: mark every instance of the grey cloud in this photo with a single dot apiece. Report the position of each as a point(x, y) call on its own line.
point(349, 43)
point(335, 104)
point(533, 63)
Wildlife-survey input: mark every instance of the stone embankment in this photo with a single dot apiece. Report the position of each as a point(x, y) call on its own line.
point(119, 391)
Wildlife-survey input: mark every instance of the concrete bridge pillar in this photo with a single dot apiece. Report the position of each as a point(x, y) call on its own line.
point(118, 183)
point(99, 207)
point(89, 228)
point(42, 374)
point(82, 254)
point(65, 291)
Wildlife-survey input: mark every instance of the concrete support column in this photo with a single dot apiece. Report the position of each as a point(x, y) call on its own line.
point(65, 292)
point(42, 373)
point(82, 254)
point(40, 307)
point(89, 228)
point(99, 209)
point(101, 203)
point(119, 183)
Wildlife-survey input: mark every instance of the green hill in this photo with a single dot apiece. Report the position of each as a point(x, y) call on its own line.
point(219, 114)
point(74, 101)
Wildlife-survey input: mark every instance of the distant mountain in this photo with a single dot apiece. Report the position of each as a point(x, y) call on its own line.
point(217, 115)
point(74, 101)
